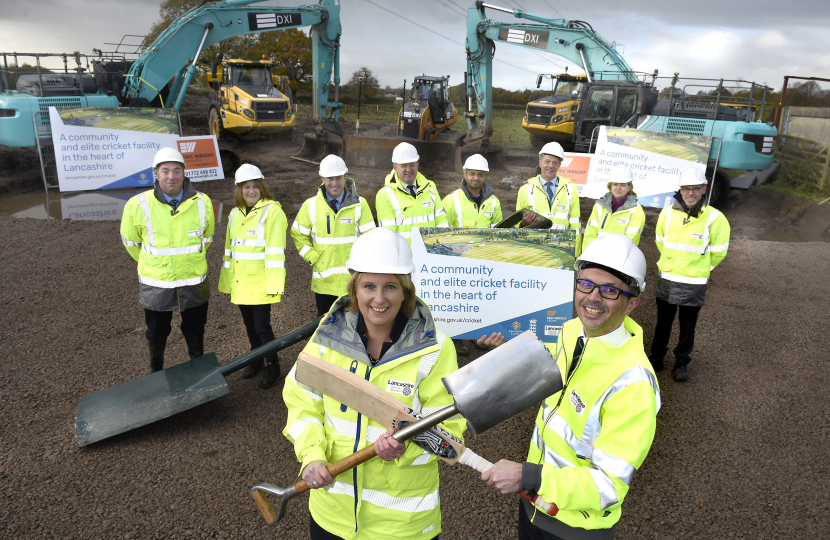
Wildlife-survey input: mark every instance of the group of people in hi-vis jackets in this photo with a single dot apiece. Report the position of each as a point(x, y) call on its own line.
point(375, 326)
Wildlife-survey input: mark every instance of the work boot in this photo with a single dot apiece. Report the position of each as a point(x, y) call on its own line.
point(195, 346)
point(656, 363)
point(461, 348)
point(251, 370)
point(680, 373)
point(271, 375)
point(156, 355)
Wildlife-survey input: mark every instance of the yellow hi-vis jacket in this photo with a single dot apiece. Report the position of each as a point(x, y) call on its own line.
point(401, 212)
point(592, 436)
point(690, 247)
point(629, 219)
point(253, 267)
point(324, 239)
point(463, 212)
point(378, 499)
point(563, 211)
point(170, 247)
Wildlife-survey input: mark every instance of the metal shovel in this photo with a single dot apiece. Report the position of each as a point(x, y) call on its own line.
point(156, 396)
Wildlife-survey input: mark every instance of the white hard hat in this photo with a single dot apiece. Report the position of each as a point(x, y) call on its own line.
point(554, 149)
point(165, 155)
point(618, 253)
point(247, 172)
point(476, 162)
point(692, 177)
point(622, 175)
point(404, 153)
point(381, 251)
point(332, 165)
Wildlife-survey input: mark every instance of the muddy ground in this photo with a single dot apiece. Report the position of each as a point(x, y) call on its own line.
point(740, 450)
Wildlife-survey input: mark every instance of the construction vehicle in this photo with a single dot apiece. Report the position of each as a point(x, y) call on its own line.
point(550, 117)
point(614, 94)
point(244, 99)
point(428, 111)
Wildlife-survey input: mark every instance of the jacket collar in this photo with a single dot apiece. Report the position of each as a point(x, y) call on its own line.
point(537, 181)
point(630, 202)
point(259, 205)
point(486, 191)
point(350, 196)
point(188, 191)
point(338, 332)
point(393, 181)
point(680, 205)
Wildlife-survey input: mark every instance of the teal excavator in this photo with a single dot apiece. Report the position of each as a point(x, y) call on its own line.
point(613, 94)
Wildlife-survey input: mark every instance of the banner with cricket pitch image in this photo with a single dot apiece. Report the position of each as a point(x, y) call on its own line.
point(480, 281)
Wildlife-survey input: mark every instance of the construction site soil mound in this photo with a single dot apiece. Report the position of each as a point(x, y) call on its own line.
point(740, 450)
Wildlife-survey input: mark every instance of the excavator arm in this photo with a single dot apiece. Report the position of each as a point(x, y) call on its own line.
point(173, 55)
point(574, 40)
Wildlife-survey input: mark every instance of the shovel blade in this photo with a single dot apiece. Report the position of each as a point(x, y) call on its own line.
point(148, 399)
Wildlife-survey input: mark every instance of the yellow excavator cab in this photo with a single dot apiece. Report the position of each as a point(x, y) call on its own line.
point(551, 117)
point(428, 111)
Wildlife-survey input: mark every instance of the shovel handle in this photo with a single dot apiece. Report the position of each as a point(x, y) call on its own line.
point(264, 506)
point(340, 467)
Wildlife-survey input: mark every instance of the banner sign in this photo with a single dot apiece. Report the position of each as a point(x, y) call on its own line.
point(201, 156)
point(655, 157)
point(575, 167)
point(107, 148)
point(473, 284)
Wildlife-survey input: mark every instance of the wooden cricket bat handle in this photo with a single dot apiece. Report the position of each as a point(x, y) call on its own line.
point(350, 462)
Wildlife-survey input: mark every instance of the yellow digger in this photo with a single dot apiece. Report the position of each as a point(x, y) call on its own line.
point(552, 117)
point(245, 101)
point(428, 111)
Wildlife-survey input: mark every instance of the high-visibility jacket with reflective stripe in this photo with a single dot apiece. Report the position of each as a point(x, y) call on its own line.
point(458, 204)
point(629, 219)
point(401, 212)
point(592, 436)
point(378, 499)
point(324, 239)
point(690, 247)
point(253, 267)
point(169, 245)
point(563, 211)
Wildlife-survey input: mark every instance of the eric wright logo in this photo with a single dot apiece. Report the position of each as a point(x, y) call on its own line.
point(187, 147)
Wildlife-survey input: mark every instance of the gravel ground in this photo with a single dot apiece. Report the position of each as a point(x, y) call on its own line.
point(738, 451)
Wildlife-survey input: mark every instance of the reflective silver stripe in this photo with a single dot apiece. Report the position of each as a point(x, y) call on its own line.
point(230, 219)
point(244, 256)
point(373, 433)
point(145, 207)
point(247, 242)
point(614, 465)
point(459, 215)
point(600, 211)
point(443, 226)
point(683, 279)
point(685, 247)
point(715, 213)
point(312, 393)
point(605, 486)
point(405, 234)
point(207, 239)
point(335, 240)
point(260, 230)
point(344, 428)
point(435, 210)
point(200, 202)
point(306, 249)
point(573, 220)
point(660, 239)
point(424, 367)
point(530, 197)
point(340, 488)
point(312, 208)
point(423, 459)
point(274, 251)
point(600, 234)
point(357, 213)
point(388, 223)
point(631, 230)
point(274, 264)
point(171, 284)
point(366, 227)
point(440, 212)
point(550, 456)
point(410, 505)
point(330, 272)
point(569, 186)
point(300, 228)
point(559, 215)
point(718, 248)
point(129, 243)
point(226, 264)
point(299, 426)
point(395, 204)
point(593, 223)
point(168, 252)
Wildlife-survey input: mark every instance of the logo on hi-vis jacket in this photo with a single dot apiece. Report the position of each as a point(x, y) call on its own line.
point(400, 387)
point(579, 406)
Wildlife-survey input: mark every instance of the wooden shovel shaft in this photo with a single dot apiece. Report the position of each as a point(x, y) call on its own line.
point(342, 466)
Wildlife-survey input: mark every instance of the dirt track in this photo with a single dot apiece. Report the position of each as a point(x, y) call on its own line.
point(740, 450)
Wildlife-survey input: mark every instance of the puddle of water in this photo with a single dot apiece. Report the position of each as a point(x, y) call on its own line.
point(84, 206)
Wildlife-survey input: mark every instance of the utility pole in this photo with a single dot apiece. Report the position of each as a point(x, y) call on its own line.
point(359, 94)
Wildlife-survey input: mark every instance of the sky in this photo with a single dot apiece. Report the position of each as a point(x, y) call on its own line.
point(705, 39)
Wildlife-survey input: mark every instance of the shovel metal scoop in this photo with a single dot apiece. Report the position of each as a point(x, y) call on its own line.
point(156, 396)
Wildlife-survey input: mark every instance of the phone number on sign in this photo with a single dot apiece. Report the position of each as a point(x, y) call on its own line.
point(202, 172)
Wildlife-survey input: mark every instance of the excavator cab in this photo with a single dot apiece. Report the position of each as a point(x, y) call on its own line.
point(613, 104)
point(428, 111)
point(551, 116)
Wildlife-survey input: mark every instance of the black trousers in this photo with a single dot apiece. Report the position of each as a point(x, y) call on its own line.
point(257, 319)
point(529, 531)
point(324, 302)
point(158, 322)
point(319, 533)
point(662, 331)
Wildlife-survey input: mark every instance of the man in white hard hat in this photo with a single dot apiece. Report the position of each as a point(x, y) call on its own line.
point(551, 196)
point(592, 437)
point(408, 200)
point(473, 205)
point(168, 230)
point(326, 227)
point(692, 238)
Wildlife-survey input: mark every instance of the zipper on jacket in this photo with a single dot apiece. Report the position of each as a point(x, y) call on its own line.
point(356, 442)
point(328, 223)
point(352, 369)
point(603, 222)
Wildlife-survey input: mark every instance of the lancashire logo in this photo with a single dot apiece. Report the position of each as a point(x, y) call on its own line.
point(400, 387)
point(187, 147)
point(579, 406)
point(517, 325)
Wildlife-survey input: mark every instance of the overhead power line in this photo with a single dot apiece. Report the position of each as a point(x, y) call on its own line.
point(449, 8)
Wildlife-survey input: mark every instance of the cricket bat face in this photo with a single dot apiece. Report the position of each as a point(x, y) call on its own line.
point(366, 398)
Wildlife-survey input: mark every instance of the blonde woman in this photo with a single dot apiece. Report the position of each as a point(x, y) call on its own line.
point(617, 211)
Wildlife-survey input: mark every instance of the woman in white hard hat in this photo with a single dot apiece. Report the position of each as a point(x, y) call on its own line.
point(618, 211)
point(384, 333)
point(253, 268)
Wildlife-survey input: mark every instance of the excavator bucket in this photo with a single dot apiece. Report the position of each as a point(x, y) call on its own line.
point(326, 139)
point(375, 152)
